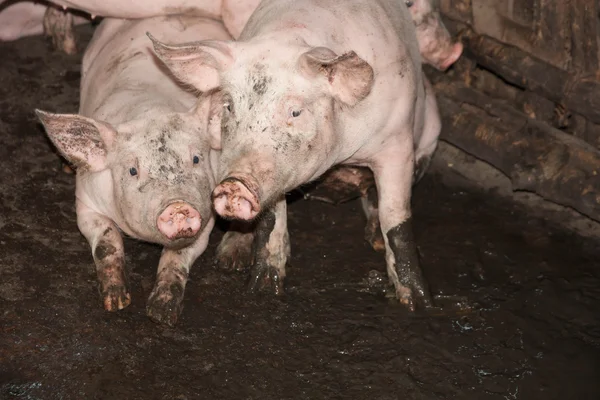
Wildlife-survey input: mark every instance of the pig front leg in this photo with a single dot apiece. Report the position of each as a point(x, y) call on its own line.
point(58, 24)
point(271, 249)
point(107, 249)
point(393, 170)
point(165, 302)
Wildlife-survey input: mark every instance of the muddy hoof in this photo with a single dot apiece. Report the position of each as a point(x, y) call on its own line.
point(267, 278)
point(413, 298)
point(374, 236)
point(58, 24)
point(116, 298)
point(67, 169)
point(165, 304)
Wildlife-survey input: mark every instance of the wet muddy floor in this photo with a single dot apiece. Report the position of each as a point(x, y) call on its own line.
point(534, 331)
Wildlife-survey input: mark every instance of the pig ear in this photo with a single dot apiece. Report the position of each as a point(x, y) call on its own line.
point(210, 108)
point(82, 141)
point(350, 77)
point(197, 64)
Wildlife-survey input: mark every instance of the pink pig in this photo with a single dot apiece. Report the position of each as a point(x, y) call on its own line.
point(144, 163)
point(309, 85)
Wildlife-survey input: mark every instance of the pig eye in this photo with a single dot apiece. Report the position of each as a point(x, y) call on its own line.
point(296, 113)
point(196, 159)
point(132, 171)
point(409, 4)
point(227, 106)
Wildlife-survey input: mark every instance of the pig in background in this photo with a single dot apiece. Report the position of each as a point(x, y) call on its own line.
point(57, 18)
point(310, 85)
point(144, 162)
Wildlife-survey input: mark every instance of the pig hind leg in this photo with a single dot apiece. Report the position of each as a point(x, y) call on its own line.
point(271, 250)
point(166, 300)
point(427, 143)
point(234, 253)
point(109, 256)
point(373, 233)
point(58, 24)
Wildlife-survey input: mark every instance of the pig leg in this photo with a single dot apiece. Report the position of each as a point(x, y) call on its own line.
point(373, 233)
point(165, 302)
point(234, 253)
point(271, 250)
point(109, 256)
point(431, 131)
point(58, 24)
point(393, 169)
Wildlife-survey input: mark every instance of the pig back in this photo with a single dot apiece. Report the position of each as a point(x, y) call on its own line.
point(122, 78)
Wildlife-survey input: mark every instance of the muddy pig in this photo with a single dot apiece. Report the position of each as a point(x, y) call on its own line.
point(310, 85)
point(143, 157)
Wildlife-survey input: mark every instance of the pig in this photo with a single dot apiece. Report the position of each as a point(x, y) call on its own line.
point(57, 18)
point(310, 85)
point(144, 165)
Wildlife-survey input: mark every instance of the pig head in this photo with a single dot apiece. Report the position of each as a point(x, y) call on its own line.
point(150, 176)
point(277, 113)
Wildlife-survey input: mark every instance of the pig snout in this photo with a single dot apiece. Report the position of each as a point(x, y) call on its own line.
point(450, 57)
point(233, 199)
point(179, 220)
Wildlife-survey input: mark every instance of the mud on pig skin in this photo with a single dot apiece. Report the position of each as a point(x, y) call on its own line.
point(302, 94)
point(144, 161)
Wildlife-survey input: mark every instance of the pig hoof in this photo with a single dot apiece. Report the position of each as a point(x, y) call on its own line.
point(165, 304)
point(374, 236)
point(265, 277)
point(116, 298)
point(67, 169)
point(59, 25)
point(412, 298)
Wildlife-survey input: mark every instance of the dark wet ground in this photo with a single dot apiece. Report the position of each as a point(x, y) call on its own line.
point(535, 335)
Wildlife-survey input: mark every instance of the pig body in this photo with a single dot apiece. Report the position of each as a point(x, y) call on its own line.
point(144, 164)
point(309, 85)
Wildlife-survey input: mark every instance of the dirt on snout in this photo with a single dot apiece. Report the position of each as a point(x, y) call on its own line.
point(534, 332)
